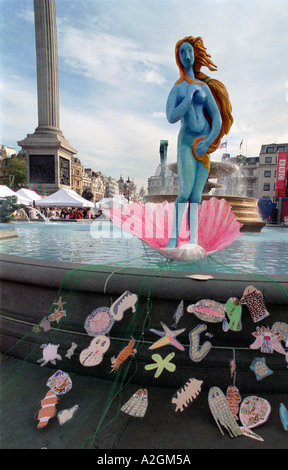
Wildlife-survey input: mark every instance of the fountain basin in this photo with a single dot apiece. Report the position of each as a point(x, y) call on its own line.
point(30, 286)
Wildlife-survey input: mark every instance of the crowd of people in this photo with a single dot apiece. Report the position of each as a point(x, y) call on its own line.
point(56, 213)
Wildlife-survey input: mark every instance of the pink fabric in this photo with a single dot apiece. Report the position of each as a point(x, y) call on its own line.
point(152, 223)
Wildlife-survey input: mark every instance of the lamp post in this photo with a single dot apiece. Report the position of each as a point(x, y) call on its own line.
point(128, 182)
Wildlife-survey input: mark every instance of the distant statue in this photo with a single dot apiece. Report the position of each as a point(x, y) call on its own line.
point(202, 105)
point(87, 194)
point(8, 207)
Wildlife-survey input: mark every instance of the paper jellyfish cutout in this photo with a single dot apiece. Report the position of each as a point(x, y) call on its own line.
point(187, 394)
point(254, 411)
point(168, 337)
point(152, 223)
point(99, 322)
point(197, 352)
point(234, 399)
point(221, 412)
point(126, 301)
point(161, 364)
point(93, 355)
point(137, 405)
point(268, 341)
point(260, 368)
point(50, 354)
point(60, 383)
point(48, 409)
point(208, 311)
point(66, 415)
point(128, 351)
point(284, 416)
point(254, 300)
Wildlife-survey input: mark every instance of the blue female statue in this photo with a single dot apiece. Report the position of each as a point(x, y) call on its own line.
point(203, 107)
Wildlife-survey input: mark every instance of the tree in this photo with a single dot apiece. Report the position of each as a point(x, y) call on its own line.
point(18, 169)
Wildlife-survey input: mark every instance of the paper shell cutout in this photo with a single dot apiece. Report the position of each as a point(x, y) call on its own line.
point(48, 409)
point(65, 415)
point(50, 354)
point(152, 223)
point(137, 405)
point(59, 383)
point(187, 394)
point(93, 355)
point(268, 341)
point(254, 300)
point(126, 301)
point(254, 411)
point(221, 412)
point(208, 311)
point(260, 368)
point(99, 322)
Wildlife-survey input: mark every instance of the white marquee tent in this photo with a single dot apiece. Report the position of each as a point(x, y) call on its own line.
point(5, 191)
point(108, 202)
point(64, 198)
point(28, 194)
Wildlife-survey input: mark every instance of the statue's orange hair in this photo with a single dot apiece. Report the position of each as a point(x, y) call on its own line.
point(219, 91)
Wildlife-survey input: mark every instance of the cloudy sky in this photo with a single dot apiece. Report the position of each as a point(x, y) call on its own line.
point(116, 68)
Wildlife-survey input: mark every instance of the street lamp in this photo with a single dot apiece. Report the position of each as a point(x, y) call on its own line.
point(128, 182)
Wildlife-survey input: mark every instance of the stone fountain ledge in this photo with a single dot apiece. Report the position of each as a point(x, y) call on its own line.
point(7, 234)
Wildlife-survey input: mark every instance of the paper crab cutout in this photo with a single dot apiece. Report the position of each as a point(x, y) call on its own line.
point(268, 341)
point(152, 223)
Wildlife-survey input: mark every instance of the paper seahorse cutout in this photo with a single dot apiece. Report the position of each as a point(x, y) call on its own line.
point(48, 409)
point(197, 352)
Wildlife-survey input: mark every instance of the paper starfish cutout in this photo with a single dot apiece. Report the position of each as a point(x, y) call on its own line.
point(167, 337)
point(60, 304)
point(161, 364)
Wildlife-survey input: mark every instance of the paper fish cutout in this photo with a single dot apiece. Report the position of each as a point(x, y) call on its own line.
point(99, 322)
point(187, 394)
point(283, 416)
point(197, 352)
point(260, 368)
point(234, 313)
point(137, 405)
point(50, 354)
point(221, 412)
point(233, 398)
point(253, 298)
point(168, 337)
point(65, 415)
point(126, 301)
point(268, 341)
point(179, 312)
point(56, 316)
point(161, 364)
point(48, 409)
point(254, 411)
point(71, 350)
point(60, 383)
point(282, 328)
point(208, 311)
point(93, 355)
point(123, 355)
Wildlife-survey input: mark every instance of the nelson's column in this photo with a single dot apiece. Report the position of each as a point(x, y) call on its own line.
point(48, 152)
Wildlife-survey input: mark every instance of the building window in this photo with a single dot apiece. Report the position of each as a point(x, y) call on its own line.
point(267, 174)
point(268, 159)
point(266, 187)
point(270, 149)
